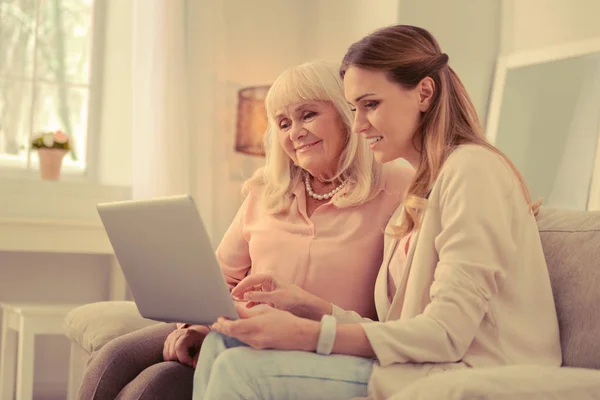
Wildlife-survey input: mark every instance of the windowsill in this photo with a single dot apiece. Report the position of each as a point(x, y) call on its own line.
point(55, 216)
point(68, 173)
point(53, 236)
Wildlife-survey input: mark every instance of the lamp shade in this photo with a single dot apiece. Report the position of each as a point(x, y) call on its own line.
point(251, 120)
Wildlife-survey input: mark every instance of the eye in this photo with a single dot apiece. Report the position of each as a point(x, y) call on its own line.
point(371, 105)
point(308, 115)
point(284, 124)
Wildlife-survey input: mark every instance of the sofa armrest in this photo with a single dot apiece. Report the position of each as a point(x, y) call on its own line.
point(519, 382)
point(93, 325)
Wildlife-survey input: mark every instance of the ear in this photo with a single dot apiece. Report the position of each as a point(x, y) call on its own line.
point(426, 89)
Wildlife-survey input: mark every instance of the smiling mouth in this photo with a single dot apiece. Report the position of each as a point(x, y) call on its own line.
point(307, 146)
point(374, 139)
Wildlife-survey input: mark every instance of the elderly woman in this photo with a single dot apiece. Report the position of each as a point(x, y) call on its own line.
point(314, 217)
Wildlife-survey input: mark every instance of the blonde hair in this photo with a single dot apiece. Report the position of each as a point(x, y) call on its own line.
point(313, 81)
point(408, 54)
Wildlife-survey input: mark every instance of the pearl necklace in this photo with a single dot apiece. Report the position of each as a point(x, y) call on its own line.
point(325, 196)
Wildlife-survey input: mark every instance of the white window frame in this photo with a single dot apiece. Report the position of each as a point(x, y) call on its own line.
point(90, 173)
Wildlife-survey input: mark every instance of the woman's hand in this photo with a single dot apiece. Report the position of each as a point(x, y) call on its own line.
point(264, 327)
point(267, 289)
point(183, 344)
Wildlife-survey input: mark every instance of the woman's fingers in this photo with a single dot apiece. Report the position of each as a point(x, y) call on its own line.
point(222, 326)
point(182, 350)
point(172, 355)
point(169, 346)
point(251, 304)
point(165, 348)
point(188, 346)
point(261, 297)
point(250, 282)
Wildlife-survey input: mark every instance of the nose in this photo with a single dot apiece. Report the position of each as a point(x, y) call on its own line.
point(297, 131)
point(361, 124)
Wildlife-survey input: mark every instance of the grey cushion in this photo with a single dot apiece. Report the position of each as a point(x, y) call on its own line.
point(517, 382)
point(571, 241)
point(95, 324)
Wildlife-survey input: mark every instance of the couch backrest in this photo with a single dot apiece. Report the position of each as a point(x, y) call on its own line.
point(571, 242)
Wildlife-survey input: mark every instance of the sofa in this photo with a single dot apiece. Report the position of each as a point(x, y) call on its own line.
point(571, 242)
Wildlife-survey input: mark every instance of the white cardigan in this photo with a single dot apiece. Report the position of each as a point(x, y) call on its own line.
point(475, 289)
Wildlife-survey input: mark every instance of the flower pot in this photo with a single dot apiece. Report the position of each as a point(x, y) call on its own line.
point(51, 163)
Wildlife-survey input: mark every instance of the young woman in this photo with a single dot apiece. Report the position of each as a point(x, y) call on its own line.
point(463, 283)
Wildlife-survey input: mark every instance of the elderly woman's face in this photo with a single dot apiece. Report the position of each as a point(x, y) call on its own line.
point(312, 135)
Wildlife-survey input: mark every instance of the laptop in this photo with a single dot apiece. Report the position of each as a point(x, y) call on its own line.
point(168, 260)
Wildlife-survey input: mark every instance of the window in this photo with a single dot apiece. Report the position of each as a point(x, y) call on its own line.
point(45, 60)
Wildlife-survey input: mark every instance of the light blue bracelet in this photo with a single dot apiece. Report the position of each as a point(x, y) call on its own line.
point(327, 335)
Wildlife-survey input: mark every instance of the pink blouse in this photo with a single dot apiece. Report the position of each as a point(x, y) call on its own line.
point(396, 266)
point(335, 254)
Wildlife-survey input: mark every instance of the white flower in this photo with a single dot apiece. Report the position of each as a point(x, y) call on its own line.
point(48, 140)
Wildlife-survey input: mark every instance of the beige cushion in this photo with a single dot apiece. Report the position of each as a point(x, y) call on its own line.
point(520, 382)
point(571, 241)
point(95, 324)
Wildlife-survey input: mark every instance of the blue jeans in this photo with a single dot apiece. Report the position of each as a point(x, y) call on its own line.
point(228, 369)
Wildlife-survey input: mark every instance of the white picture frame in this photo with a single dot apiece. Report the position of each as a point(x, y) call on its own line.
point(506, 63)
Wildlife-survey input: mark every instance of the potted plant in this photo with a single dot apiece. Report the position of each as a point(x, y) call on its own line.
point(52, 147)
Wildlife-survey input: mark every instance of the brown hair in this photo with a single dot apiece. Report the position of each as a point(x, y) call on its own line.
point(408, 54)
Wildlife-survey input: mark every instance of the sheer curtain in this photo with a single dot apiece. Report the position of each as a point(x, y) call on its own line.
point(161, 140)
point(177, 100)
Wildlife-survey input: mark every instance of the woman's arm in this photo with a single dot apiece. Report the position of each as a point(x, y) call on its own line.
point(233, 252)
point(351, 339)
point(475, 247)
point(267, 288)
point(315, 307)
point(346, 317)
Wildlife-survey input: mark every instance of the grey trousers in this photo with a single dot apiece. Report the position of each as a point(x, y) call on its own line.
point(132, 367)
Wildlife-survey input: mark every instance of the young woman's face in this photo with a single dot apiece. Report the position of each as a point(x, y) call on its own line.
point(387, 114)
point(312, 135)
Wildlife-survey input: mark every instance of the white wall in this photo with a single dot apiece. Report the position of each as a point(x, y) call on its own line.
point(535, 24)
point(469, 32)
point(336, 24)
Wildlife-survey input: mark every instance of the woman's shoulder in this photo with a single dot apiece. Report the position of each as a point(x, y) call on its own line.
point(397, 177)
point(474, 155)
point(477, 167)
point(255, 185)
point(253, 191)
